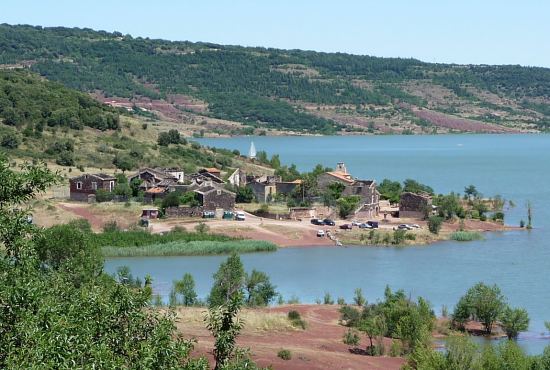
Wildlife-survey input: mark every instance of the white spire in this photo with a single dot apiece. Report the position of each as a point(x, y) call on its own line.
point(252, 151)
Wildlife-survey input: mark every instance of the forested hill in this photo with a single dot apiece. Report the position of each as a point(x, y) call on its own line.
point(285, 90)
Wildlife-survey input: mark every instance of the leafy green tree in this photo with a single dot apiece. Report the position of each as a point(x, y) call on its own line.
point(483, 302)
point(186, 289)
point(259, 290)
point(348, 204)
point(9, 141)
point(434, 224)
point(470, 192)
point(513, 321)
point(374, 326)
point(124, 162)
point(448, 206)
point(359, 298)
point(244, 194)
point(172, 199)
point(413, 186)
point(228, 281)
point(390, 190)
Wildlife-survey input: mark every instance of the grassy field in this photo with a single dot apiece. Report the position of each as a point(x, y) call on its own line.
point(190, 248)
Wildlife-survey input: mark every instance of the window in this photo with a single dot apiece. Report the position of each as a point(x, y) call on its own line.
point(79, 185)
point(94, 185)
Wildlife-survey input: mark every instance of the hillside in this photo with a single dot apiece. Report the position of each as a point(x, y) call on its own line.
point(207, 88)
point(72, 132)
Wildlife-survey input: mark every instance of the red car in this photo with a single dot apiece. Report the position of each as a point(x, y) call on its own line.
point(346, 227)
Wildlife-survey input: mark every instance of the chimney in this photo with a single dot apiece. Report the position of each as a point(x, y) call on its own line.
point(341, 167)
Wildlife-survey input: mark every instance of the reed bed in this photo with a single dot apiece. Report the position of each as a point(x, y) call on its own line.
point(190, 248)
point(466, 236)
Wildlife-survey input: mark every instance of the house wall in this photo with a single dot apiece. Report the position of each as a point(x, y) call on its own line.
point(263, 192)
point(285, 187)
point(81, 195)
point(217, 199)
point(414, 205)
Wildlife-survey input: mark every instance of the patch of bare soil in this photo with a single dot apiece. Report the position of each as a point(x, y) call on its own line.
point(319, 346)
point(457, 123)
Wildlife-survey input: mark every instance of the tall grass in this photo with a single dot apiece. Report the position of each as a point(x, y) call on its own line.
point(138, 238)
point(466, 236)
point(190, 248)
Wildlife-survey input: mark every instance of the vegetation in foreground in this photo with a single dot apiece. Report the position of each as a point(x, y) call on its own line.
point(59, 310)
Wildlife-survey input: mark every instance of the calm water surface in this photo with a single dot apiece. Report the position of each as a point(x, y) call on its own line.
point(514, 166)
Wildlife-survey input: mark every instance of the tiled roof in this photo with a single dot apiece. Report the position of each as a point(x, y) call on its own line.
point(342, 176)
point(155, 190)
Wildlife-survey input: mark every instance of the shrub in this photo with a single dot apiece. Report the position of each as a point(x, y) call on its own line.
point(327, 299)
point(396, 348)
point(296, 320)
point(202, 228)
point(350, 316)
point(466, 236)
point(285, 354)
point(110, 226)
point(103, 195)
point(359, 298)
point(351, 338)
point(434, 224)
point(65, 159)
point(10, 141)
point(341, 301)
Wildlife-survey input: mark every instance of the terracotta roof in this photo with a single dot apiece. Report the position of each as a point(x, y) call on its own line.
point(342, 176)
point(211, 169)
point(155, 190)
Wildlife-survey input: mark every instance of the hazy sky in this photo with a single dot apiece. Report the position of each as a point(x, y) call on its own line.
point(460, 31)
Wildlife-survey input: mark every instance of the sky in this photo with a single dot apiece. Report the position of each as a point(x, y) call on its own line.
point(443, 31)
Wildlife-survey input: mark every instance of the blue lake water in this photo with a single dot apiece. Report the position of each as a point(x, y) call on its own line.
point(514, 166)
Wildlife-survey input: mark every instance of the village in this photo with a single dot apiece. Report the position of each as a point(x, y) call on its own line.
point(212, 199)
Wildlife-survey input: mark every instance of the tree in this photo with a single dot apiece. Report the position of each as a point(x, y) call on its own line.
point(170, 137)
point(49, 315)
point(171, 200)
point(413, 186)
point(359, 298)
point(513, 321)
point(471, 192)
point(228, 281)
point(260, 291)
point(223, 323)
point(434, 224)
point(124, 162)
point(347, 205)
point(482, 302)
point(390, 190)
point(244, 194)
point(186, 289)
point(374, 326)
point(9, 141)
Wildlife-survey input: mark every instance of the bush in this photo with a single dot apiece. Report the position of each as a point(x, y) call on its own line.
point(10, 141)
point(350, 316)
point(341, 301)
point(396, 348)
point(202, 228)
point(65, 159)
point(434, 224)
point(351, 338)
point(110, 226)
point(103, 195)
point(285, 354)
point(466, 236)
point(296, 319)
point(327, 299)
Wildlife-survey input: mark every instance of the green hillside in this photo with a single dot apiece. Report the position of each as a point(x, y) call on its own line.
point(294, 90)
point(45, 120)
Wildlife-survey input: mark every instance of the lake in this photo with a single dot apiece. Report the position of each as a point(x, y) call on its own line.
point(515, 166)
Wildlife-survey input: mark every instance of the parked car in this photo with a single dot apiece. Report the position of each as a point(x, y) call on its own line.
point(373, 224)
point(208, 214)
point(356, 223)
point(416, 226)
point(239, 216)
point(404, 227)
point(346, 226)
point(316, 221)
point(320, 233)
point(329, 222)
point(365, 226)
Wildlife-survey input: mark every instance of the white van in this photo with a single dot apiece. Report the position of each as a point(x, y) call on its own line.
point(239, 216)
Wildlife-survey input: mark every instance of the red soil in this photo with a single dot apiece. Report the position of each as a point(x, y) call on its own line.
point(320, 346)
point(457, 123)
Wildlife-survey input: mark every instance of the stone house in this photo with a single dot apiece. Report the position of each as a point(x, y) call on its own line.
point(212, 198)
point(237, 178)
point(84, 187)
point(157, 177)
point(263, 191)
point(413, 205)
point(365, 189)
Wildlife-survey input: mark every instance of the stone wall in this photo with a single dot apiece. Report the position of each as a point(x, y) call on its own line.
point(413, 205)
point(177, 212)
